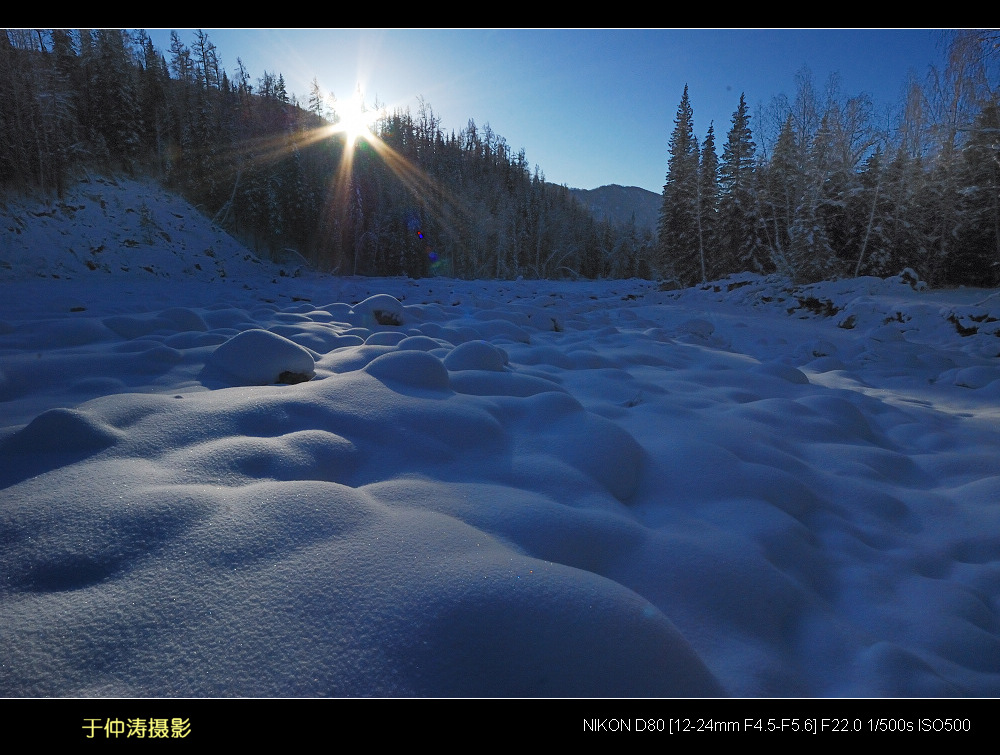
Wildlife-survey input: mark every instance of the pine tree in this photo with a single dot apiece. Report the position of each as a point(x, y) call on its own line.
point(708, 209)
point(903, 223)
point(976, 258)
point(24, 156)
point(57, 131)
point(810, 255)
point(118, 103)
point(678, 226)
point(153, 82)
point(779, 189)
point(180, 60)
point(738, 222)
point(868, 211)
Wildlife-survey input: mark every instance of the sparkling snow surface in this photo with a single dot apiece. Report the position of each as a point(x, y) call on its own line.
point(225, 481)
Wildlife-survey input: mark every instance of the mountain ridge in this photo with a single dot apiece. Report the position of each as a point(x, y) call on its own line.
point(618, 204)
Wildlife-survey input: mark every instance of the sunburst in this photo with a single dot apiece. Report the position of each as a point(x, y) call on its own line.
point(354, 119)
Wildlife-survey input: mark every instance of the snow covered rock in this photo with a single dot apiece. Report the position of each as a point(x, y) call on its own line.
point(381, 309)
point(259, 357)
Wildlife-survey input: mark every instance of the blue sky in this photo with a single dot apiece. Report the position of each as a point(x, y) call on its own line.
point(589, 106)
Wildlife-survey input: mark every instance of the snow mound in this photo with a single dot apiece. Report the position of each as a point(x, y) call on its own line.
point(61, 430)
point(477, 355)
point(259, 357)
point(380, 309)
point(417, 369)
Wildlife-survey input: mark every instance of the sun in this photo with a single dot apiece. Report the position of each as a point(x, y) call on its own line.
point(353, 119)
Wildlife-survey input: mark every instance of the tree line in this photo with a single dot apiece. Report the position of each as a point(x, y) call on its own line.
point(269, 169)
point(820, 190)
point(833, 194)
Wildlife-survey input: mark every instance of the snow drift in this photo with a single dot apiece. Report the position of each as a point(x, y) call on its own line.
point(261, 485)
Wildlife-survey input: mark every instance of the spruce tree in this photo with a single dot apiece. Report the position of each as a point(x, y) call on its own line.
point(868, 211)
point(708, 209)
point(976, 258)
point(118, 103)
point(739, 248)
point(779, 190)
point(902, 225)
point(810, 255)
point(153, 82)
point(678, 226)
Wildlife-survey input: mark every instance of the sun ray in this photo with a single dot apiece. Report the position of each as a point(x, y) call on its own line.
point(357, 123)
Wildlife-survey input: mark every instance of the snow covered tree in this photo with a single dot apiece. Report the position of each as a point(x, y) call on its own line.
point(316, 101)
point(868, 211)
point(976, 259)
point(738, 222)
point(962, 102)
point(779, 189)
point(708, 209)
point(678, 225)
point(810, 256)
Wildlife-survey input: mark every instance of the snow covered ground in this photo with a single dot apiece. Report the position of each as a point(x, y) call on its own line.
point(218, 478)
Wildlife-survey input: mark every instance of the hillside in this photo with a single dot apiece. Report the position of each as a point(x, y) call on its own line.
point(117, 227)
point(619, 203)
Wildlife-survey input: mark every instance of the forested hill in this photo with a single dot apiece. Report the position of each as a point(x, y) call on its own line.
point(622, 204)
point(414, 200)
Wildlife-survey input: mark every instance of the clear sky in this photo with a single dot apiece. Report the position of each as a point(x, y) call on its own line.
point(589, 106)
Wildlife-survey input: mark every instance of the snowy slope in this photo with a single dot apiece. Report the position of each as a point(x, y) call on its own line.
point(117, 227)
point(272, 486)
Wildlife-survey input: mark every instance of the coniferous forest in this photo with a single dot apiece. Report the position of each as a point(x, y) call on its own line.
point(259, 162)
point(813, 187)
point(834, 191)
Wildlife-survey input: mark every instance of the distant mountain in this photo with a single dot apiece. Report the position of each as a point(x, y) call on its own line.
point(617, 203)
